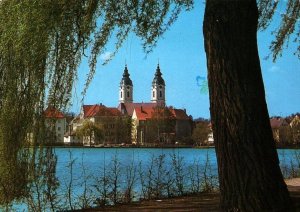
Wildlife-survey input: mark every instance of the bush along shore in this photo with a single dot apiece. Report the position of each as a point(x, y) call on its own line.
point(164, 176)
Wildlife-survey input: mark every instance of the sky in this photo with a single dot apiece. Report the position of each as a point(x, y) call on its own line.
point(181, 56)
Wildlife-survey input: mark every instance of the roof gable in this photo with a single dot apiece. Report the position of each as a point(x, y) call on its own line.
point(129, 107)
point(143, 113)
point(179, 114)
point(52, 112)
point(99, 110)
point(278, 122)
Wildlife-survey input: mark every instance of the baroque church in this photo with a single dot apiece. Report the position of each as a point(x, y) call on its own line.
point(143, 114)
point(151, 123)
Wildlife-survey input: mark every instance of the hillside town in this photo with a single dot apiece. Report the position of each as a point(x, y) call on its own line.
point(152, 123)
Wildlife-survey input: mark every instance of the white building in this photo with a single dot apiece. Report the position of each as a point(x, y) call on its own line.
point(158, 88)
point(126, 88)
point(56, 124)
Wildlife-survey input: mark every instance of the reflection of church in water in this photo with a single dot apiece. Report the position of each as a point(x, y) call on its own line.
point(142, 113)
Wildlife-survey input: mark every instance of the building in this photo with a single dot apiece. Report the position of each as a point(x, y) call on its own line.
point(132, 122)
point(153, 121)
point(56, 125)
point(280, 129)
point(114, 128)
point(71, 138)
point(158, 88)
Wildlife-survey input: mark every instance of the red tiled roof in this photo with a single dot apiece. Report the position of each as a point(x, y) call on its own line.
point(179, 114)
point(99, 110)
point(129, 107)
point(143, 113)
point(51, 112)
point(278, 122)
point(86, 108)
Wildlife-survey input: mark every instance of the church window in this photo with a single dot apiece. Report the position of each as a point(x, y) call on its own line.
point(153, 94)
point(160, 94)
point(121, 94)
point(128, 94)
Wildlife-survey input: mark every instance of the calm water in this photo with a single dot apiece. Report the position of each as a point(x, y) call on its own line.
point(95, 158)
point(88, 163)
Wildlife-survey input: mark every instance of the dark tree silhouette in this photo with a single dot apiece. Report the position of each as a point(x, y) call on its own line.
point(248, 165)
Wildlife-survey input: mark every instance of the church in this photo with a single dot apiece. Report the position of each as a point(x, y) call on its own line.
point(146, 123)
point(154, 121)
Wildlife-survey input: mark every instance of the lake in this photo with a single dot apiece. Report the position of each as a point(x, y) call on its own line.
point(95, 158)
point(97, 176)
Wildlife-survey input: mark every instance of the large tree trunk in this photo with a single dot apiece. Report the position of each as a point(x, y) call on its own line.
point(248, 165)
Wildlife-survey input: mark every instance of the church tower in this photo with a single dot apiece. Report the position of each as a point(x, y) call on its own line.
point(126, 88)
point(158, 88)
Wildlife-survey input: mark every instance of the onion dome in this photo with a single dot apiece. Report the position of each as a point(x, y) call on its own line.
point(158, 80)
point(126, 79)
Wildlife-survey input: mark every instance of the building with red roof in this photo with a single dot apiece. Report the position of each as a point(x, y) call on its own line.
point(149, 124)
point(56, 124)
point(159, 124)
point(280, 129)
point(114, 125)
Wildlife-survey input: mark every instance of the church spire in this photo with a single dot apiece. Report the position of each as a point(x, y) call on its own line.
point(158, 88)
point(126, 87)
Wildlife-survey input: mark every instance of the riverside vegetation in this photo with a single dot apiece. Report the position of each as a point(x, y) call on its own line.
point(117, 180)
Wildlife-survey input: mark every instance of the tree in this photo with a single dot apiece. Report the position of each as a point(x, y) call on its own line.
point(162, 123)
point(123, 129)
point(248, 164)
point(90, 130)
point(295, 130)
point(200, 133)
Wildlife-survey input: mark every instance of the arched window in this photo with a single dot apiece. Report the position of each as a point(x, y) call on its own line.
point(153, 94)
point(160, 94)
point(121, 94)
point(128, 94)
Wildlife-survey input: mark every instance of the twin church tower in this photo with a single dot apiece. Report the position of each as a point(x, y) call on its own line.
point(157, 88)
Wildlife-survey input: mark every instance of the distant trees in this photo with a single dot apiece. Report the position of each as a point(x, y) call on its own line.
point(91, 132)
point(123, 129)
point(295, 125)
point(162, 123)
point(200, 133)
point(286, 130)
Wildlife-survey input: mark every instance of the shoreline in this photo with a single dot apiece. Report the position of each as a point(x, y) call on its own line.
point(195, 202)
point(149, 147)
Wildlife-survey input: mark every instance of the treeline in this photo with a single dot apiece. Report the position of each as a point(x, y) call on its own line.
point(286, 131)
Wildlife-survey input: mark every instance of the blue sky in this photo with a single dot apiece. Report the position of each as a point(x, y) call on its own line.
point(182, 61)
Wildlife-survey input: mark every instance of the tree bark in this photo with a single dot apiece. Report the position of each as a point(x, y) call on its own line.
point(249, 173)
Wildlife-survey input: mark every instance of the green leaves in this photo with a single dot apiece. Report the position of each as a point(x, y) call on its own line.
point(290, 15)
